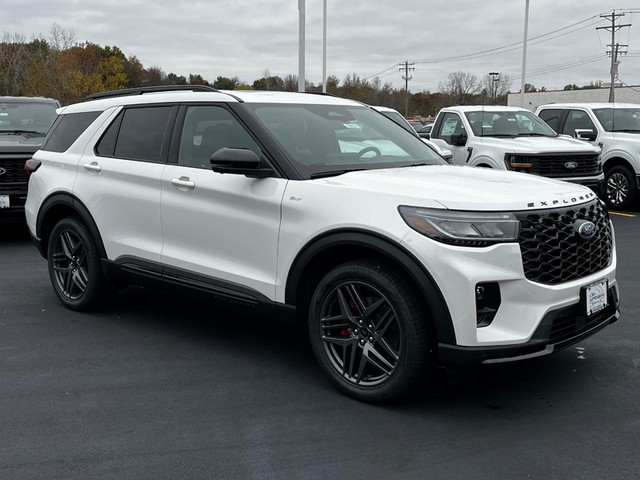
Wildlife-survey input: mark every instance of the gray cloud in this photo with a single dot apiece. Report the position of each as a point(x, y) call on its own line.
point(243, 38)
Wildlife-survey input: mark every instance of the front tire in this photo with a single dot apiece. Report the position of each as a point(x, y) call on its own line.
point(620, 187)
point(74, 266)
point(368, 331)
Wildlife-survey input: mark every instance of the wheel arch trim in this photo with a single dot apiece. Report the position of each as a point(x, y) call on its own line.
point(71, 202)
point(384, 247)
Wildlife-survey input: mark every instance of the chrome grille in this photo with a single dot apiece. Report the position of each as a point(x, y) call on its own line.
point(551, 250)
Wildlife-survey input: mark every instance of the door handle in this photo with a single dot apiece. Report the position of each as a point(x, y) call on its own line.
point(183, 183)
point(93, 166)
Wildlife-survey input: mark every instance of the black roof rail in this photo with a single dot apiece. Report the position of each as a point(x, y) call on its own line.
point(153, 89)
point(321, 93)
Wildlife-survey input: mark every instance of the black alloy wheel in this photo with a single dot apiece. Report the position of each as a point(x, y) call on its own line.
point(74, 266)
point(620, 187)
point(368, 331)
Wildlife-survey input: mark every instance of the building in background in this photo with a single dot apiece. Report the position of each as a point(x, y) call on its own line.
point(533, 100)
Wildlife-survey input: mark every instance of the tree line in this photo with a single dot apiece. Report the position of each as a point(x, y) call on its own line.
point(62, 68)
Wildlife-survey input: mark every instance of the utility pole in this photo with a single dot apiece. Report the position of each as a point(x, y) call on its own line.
point(615, 49)
point(494, 86)
point(301, 44)
point(406, 66)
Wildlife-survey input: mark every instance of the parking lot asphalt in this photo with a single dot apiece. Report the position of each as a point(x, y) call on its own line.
point(155, 387)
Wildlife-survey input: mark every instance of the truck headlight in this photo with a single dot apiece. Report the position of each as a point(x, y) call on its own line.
point(465, 229)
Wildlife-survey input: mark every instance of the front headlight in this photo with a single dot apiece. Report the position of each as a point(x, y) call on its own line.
point(465, 229)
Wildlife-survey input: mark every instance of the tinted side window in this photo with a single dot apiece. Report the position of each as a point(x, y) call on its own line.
point(451, 124)
point(67, 129)
point(206, 130)
point(142, 132)
point(552, 117)
point(107, 144)
point(577, 119)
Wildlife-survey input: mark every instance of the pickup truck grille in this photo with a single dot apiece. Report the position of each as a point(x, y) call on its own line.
point(552, 251)
point(13, 167)
point(560, 165)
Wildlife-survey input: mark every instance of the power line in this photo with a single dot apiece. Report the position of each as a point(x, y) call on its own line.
point(512, 46)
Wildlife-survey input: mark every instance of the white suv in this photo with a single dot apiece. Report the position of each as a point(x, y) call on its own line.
point(614, 127)
point(321, 207)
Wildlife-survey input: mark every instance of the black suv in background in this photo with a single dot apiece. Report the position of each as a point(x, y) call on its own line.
point(24, 122)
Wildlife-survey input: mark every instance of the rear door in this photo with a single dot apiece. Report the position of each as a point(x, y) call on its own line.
point(220, 230)
point(119, 181)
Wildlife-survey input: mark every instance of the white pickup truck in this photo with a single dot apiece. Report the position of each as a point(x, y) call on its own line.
point(613, 127)
point(510, 138)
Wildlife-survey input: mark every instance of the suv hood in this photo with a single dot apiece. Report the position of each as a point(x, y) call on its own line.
point(20, 143)
point(562, 144)
point(466, 188)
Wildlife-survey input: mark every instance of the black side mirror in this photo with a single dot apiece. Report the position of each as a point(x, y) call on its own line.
point(239, 161)
point(424, 135)
point(459, 139)
point(585, 134)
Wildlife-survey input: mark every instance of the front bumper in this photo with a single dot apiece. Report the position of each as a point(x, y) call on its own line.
point(17, 195)
point(596, 184)
point(558, 329)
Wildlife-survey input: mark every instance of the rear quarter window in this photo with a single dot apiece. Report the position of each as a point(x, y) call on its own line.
point(66, 130)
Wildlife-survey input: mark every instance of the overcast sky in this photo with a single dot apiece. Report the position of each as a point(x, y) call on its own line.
point(366, 37)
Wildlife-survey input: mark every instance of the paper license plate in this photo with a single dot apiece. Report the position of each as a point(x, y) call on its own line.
point(596, 296)
point(4, 201)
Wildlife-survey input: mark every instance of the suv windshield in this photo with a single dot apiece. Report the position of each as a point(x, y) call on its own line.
point(508, 124)
point(334, 139)
point(619, 119)
point(26, 117)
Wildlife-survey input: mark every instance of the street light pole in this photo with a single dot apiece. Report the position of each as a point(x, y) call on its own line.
point(524, 51)
point(324, 46)
point(301, 21)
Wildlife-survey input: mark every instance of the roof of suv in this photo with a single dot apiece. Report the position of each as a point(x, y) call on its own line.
point(229, 96)
point(590, 105)
point(486, 108)
point(9, 99)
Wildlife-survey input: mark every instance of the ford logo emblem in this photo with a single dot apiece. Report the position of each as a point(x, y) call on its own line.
point(2, 171)
point(571, 165)
point(585, 229)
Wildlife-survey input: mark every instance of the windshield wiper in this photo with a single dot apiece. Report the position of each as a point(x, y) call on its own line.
point(22, 132)
point(534, 134)
point(627, 130)
point(333, 173)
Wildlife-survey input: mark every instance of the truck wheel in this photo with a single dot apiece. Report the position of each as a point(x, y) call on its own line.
point(74, 266)
point(368, 331)
point(620, 187)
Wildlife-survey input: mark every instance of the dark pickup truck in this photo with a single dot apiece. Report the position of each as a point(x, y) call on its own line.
point(24, 122)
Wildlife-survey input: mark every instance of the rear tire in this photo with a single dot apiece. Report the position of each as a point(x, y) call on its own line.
point(368, 332)
point(74, 266)
point(620, 189)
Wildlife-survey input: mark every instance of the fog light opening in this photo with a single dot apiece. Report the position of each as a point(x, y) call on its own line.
point(487, 303)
